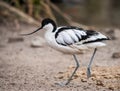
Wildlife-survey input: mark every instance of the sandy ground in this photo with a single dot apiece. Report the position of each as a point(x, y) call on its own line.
point(24, 68)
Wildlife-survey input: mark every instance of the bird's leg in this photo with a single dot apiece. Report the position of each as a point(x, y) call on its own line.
point(77, 66)
point(89, 65)
point(70, 78)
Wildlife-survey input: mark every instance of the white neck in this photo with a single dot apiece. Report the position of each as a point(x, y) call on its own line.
point(48, 27)
point(49, 35)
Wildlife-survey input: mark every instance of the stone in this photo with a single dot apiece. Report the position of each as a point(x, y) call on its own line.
point(15, 39)
point(99, 83)
point(83, 80)
point(116, 55)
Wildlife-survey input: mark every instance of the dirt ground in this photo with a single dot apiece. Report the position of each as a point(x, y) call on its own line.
point(25, 68)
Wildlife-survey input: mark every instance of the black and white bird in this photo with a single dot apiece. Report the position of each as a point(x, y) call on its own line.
point(71, 40)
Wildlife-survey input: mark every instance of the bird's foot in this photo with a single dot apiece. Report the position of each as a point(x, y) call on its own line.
point(88, 73)
point(62, 83)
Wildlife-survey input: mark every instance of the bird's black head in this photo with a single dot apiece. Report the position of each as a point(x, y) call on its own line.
point(44, 23)
point(48, 21)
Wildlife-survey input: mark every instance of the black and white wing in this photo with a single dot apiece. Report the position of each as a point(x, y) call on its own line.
point(73, 35)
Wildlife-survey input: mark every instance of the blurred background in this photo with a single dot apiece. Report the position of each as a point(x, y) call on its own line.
point(89, 12)
point(28, 64)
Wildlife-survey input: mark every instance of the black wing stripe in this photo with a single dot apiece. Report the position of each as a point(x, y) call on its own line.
point(78, 37)
point(66, 28)
point(91, 32)
point(97, 40)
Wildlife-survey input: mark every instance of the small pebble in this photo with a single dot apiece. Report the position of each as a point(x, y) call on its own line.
point(15, 39)
point(76, 76)
point(83, 80)
point(13, 83)
point(111, 87)
point(117, 76)
point(116, 55)
point(99, 83)
point(107, 77)
point(83, 74)
point(61, 77)
point(93, 78)
point(60, 72)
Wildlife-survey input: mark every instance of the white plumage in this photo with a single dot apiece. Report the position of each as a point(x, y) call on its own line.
point(71, 40)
